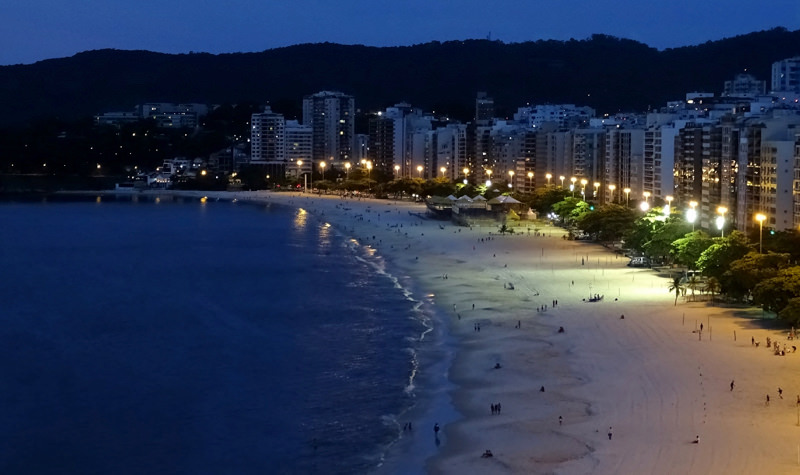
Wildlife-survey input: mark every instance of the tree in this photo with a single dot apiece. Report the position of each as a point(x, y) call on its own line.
point(693, 283)
point(608, 223)
point(664, 234)
point(791, 312)
point(712, 286)
point(677, 286)
point(688, 249)
point(715, 260)
point(744, 274)
point(774, 294)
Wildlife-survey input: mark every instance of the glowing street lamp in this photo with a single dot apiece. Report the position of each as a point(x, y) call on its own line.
point(562, 180)
point(511, 180)
point(443, 169)
point(760, 218)
point(548, 176)
point(572, 186)
point(596, 187)
point(584, 182)
point(646, 195)
point(668, 207)
point(397, 170)
point(489, 180)
point(419, 171)
point(612, 188)
point(530, 181)
point(369, 169)
point(466, 172)
point(691, 213)
point(347, 170)
point(322, 167)
point(721, 220)
point(627, 192)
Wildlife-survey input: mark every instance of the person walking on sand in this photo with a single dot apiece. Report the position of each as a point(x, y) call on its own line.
point(767, 403)
point(610, 433)
point(560, 420)
point(731, 385)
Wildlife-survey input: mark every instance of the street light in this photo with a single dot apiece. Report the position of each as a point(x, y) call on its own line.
point(419, 171)
point(646, 195)
point(489, 180)
point(466, 172)
point(397, 170)
point(548, 176)
point(562, 180)
point(668, 207)
point(596, 187)
point(721, 220)
point(627, 192)
point(511, 182)
point(612, 188)
point(346, 170)
point(443, 169)
point(369, 169)
point(322, 167)
point(305, 179)
point(572, 186)
point(583, 188)
point(691, 213)
point(530, 181)
point(760, 218)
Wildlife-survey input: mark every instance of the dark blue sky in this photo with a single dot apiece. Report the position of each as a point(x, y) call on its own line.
point(32, 30)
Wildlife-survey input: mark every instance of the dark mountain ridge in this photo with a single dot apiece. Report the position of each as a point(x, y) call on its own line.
point(607, 73)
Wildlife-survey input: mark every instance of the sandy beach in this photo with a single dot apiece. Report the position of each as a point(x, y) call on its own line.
point(647, 393)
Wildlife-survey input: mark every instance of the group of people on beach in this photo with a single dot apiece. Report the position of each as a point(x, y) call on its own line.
point(496, 408)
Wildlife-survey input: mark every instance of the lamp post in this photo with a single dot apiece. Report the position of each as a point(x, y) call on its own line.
point(584, 182)
point(627, 192)
point(548, 176)
point(668, 208)
point(511, 180)
point(721, 220)
point(443, 169)
point(646, 195)
point(572, 185)
point(489, 179)
point(530, 182)
point(397, 170)
point(596, 188)
point(562, 180)
point(369, 169)
point(466, 173)
point(347, 171)
point(691, 213)
point(760, 218)
point(322, 167)
point(419, 171)
point(612, 188)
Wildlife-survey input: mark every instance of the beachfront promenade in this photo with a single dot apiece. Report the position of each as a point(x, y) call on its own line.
point(608, 395)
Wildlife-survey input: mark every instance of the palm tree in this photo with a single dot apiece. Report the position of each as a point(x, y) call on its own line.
point(712, 286)
point(677, 286)
point(693, 283)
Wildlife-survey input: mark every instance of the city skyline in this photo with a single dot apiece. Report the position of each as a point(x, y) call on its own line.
point(62, 30)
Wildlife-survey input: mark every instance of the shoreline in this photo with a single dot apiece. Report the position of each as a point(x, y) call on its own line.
point(652, 377)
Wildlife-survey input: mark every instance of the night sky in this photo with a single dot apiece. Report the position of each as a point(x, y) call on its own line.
point(32, 30)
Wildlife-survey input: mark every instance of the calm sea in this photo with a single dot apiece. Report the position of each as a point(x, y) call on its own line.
point(174, 336)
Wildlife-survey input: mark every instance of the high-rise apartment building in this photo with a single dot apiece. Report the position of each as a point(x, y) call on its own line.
point(786, 75)
point(267, 139)
point(331, 117)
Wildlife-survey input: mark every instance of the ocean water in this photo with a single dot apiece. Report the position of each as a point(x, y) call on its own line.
point(170, 335)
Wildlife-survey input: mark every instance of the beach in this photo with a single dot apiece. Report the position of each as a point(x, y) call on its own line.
point(594, 366)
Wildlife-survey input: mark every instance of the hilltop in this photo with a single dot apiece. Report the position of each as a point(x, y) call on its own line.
point(607, 73)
